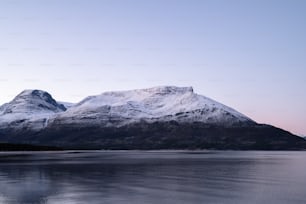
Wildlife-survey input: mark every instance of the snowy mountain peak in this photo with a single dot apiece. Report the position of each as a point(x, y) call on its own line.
point(33, 93)
point(32, 102)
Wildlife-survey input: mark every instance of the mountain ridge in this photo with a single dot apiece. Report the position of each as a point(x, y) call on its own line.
point(142, 118)
point(166, 103)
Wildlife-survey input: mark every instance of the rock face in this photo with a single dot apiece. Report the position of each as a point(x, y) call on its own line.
point(165, 117)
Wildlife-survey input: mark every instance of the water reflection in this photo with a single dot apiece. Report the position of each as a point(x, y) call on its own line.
point(152, 177)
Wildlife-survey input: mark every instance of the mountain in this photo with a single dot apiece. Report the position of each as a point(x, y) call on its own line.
point(156, 104)
point(32, 102)
point(165, 117)
point(29, 110)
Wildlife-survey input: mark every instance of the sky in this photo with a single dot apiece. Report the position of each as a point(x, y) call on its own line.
point(249, 55)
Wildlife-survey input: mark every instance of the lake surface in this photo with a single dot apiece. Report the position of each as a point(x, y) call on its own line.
point(170, 177)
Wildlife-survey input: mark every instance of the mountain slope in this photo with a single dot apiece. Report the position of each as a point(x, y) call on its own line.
point(164, 117)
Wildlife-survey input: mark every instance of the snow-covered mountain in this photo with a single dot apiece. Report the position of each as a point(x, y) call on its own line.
point(36, 109)
point(32, 102)
point(165, 117)
point(163, 103)
point(30, 110)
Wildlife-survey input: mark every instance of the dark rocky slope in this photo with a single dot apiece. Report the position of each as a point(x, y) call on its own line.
point(165, 135)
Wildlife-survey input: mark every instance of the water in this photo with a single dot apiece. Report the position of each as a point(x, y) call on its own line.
point(152, 177)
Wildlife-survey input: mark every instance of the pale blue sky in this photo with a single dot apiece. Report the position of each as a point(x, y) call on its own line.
point(250, 55)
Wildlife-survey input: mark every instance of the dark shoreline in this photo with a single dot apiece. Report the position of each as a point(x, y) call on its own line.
point(7, 147)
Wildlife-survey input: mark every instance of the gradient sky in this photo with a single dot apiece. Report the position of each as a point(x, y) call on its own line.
point(250, 55)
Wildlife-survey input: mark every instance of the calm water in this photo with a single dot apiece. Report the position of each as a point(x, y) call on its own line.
point(152, 177)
